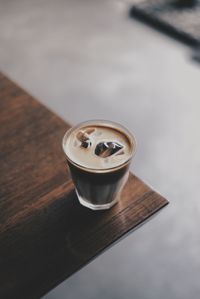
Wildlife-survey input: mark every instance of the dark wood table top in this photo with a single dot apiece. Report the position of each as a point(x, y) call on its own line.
point(45, 234)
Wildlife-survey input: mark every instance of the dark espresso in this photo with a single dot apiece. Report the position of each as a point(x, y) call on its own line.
point(99, 155)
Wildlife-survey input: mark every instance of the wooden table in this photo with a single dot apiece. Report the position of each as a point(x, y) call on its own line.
point(45, 234)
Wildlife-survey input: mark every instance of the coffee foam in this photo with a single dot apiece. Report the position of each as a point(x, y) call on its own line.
point(86, 157)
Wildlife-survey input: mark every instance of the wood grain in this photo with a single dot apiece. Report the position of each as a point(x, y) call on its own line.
point(45, 234)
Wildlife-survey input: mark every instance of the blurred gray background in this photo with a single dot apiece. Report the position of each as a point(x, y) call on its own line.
point(87, 59)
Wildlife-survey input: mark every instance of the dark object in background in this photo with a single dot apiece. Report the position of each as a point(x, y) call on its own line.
point(182, 4)
point(196, 55)
point(178, 18)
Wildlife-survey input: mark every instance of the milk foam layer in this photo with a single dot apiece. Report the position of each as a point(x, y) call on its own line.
point(83, 154)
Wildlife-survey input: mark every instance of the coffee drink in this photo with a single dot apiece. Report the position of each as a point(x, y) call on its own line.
point(99, 154)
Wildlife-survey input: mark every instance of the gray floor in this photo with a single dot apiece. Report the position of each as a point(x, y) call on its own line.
point(89, 56)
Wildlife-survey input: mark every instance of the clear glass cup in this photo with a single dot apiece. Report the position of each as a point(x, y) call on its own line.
point(99, 189)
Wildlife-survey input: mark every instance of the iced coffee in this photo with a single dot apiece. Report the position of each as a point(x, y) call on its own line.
point(99, 155)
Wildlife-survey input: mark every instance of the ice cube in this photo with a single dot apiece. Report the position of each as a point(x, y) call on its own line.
point(84, 139)
point(106, 149)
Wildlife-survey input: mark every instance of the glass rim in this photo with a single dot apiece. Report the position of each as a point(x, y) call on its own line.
point(107, 123)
